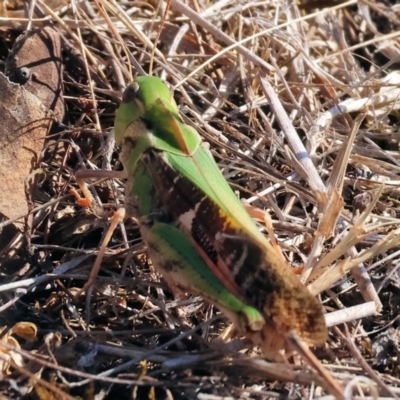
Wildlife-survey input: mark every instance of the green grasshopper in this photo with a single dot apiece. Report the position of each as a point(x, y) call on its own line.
point(198, 234)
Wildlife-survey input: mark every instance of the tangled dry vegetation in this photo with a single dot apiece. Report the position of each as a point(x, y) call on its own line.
point(302, 119)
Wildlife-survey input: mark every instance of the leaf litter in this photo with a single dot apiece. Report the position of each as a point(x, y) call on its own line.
point(302, 117)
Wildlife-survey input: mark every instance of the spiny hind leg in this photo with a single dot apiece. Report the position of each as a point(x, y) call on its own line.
point(264, 216)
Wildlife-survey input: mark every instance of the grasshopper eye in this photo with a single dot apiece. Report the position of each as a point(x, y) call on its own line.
point(130, 93)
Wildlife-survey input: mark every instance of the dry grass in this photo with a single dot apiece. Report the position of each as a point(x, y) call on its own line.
point(302, 119)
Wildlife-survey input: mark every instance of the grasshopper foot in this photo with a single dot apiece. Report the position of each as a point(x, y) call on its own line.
point(82, 201)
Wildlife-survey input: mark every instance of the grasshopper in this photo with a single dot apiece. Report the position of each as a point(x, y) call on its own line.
point(198, 234)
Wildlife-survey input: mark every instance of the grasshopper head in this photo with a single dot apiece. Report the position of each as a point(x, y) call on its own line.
point(142, 100)
point(150, 92)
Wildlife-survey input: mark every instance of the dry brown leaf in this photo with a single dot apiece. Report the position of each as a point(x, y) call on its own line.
point(25, 330)
point(39, 71)
point(43, 393)
point(46, 392)
point(24, 112)
point(25, 124)
point(3, 8)
point(9, 355)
